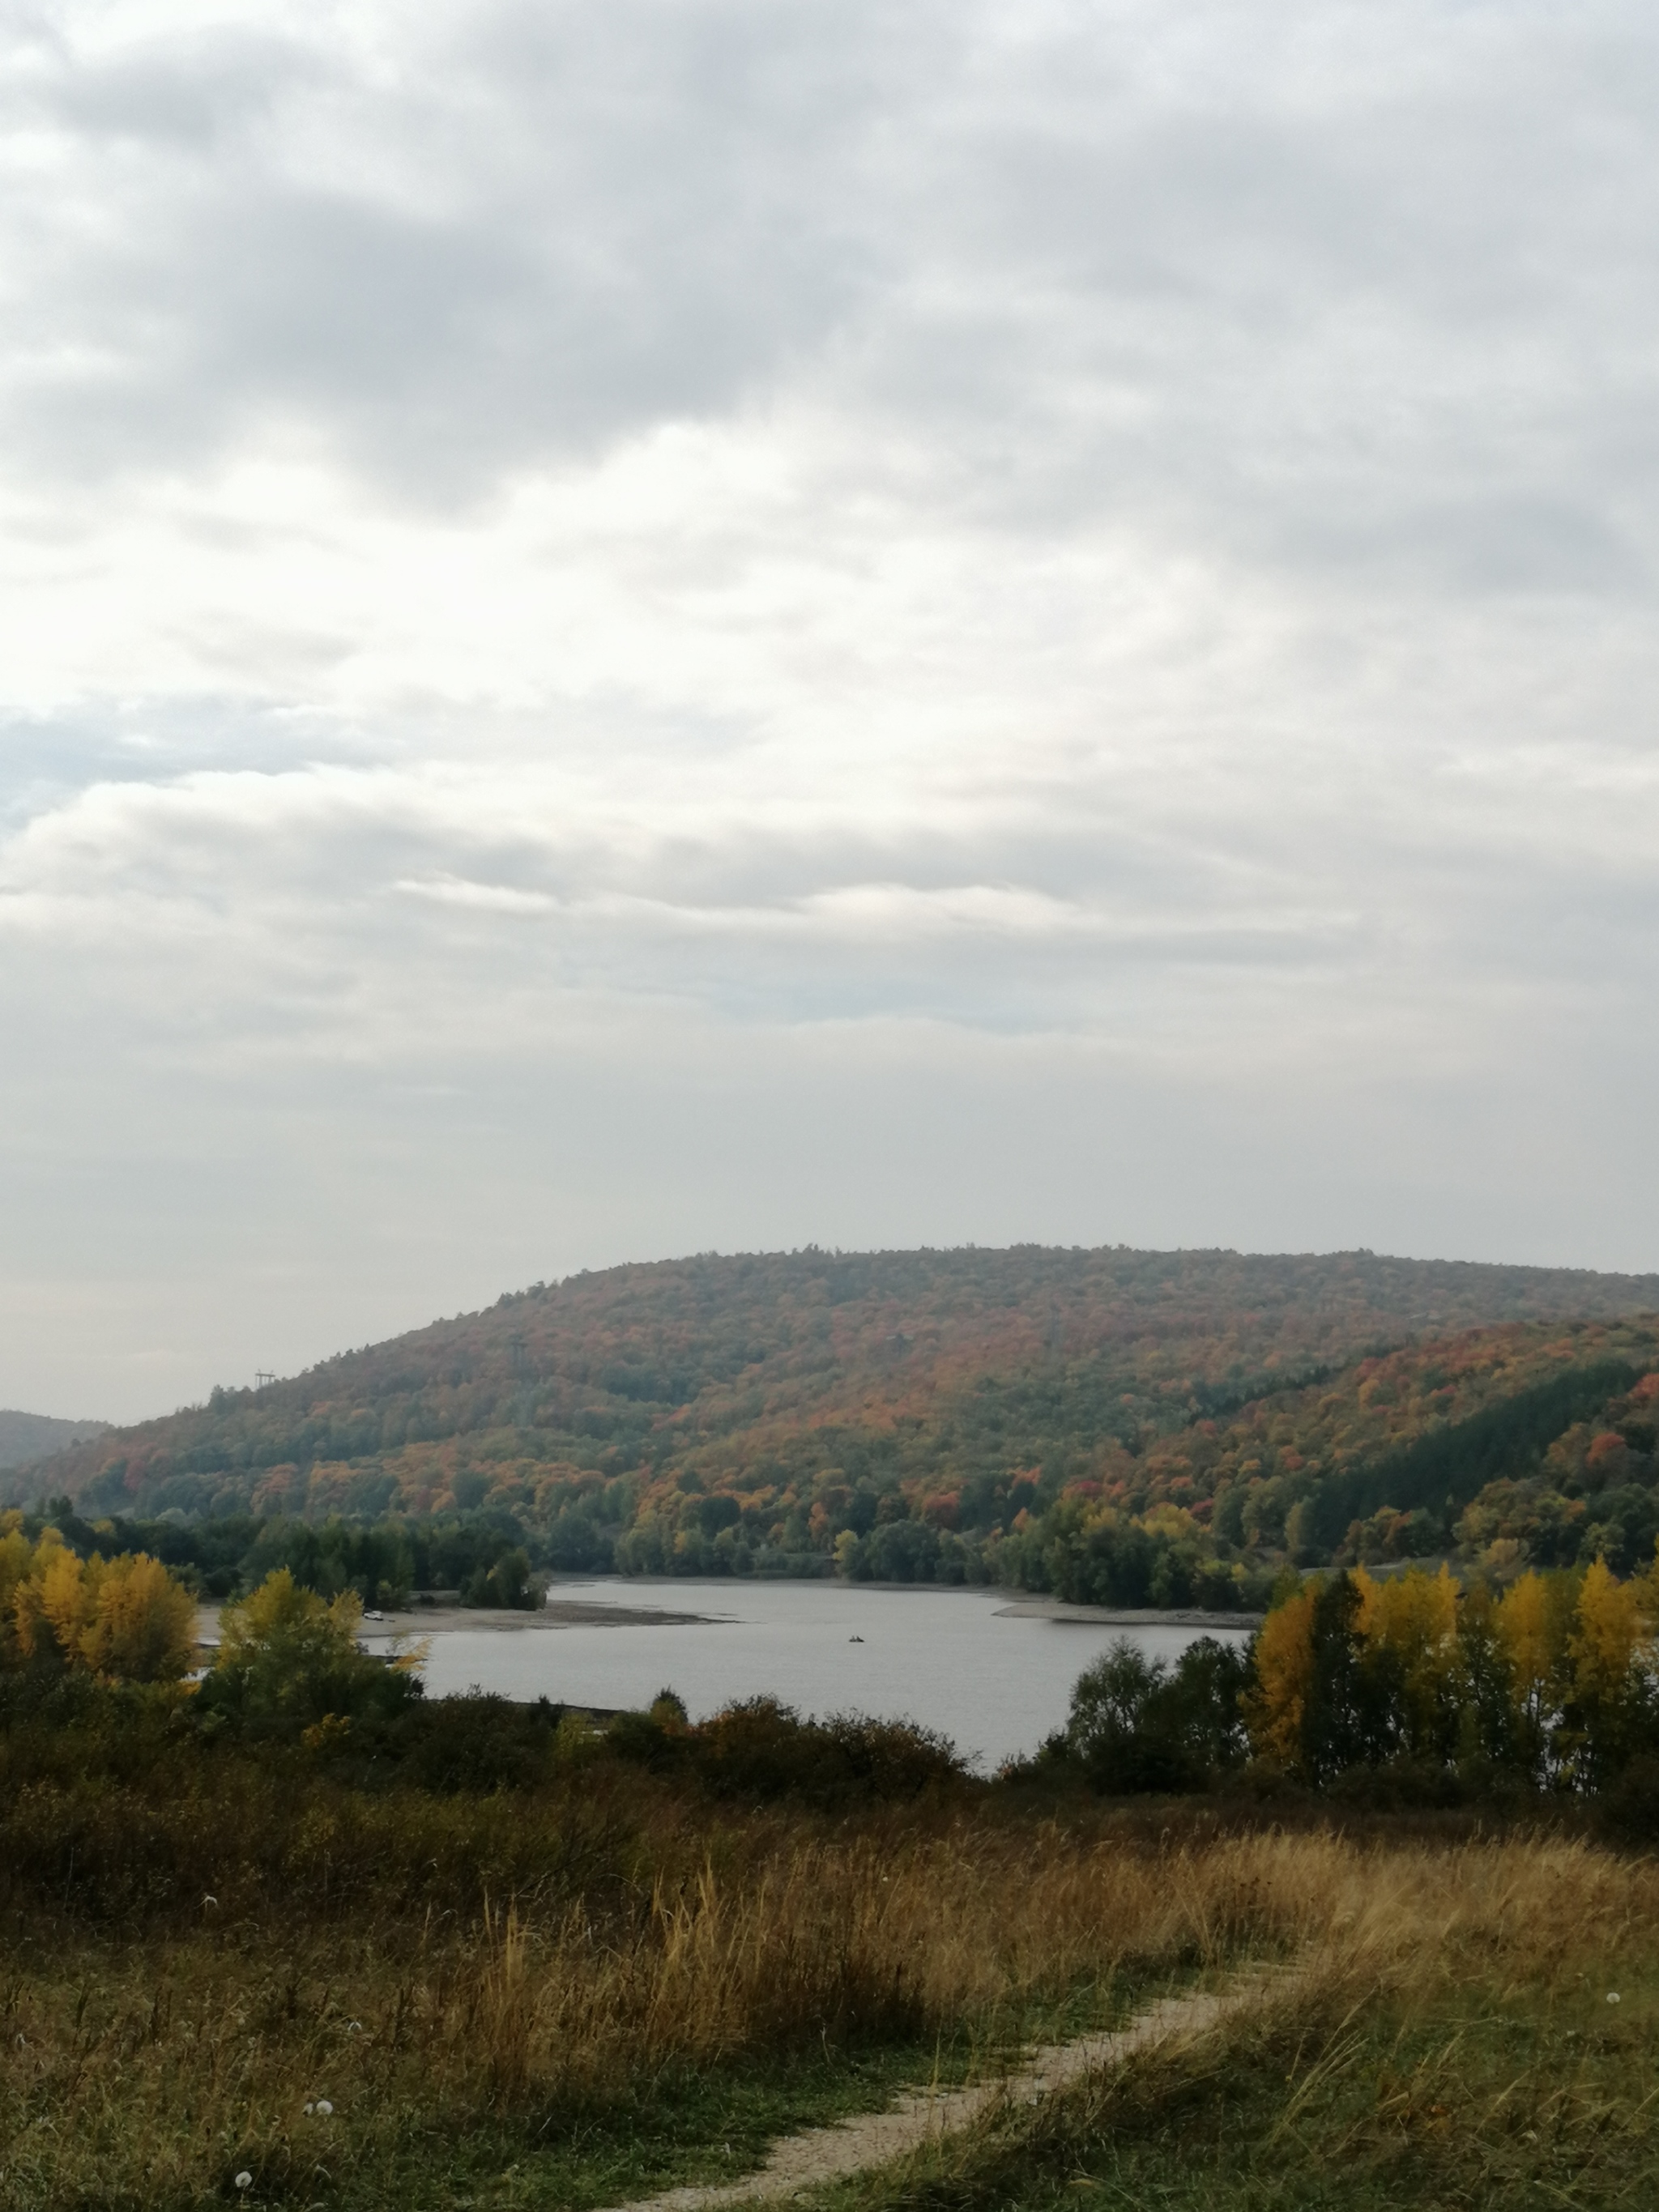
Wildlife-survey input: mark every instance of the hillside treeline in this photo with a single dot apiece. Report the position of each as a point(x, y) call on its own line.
point(1116, 1427)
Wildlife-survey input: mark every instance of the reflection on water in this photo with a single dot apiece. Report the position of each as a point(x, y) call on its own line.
point(948, 1658)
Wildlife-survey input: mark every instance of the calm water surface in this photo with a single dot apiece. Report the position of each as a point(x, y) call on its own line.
point(945, 1657)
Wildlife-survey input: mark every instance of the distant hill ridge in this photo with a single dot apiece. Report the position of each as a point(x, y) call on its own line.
point(32, 1436)
point(918, 1413)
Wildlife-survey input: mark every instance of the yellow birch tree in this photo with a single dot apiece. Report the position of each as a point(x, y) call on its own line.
point(127, 1619)
point(1412, 1619)
point(1274, 1709)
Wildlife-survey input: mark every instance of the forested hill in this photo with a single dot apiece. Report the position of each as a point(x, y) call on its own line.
point(1087, 1420)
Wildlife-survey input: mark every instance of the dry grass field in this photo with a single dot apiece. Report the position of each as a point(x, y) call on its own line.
point(660, 2007)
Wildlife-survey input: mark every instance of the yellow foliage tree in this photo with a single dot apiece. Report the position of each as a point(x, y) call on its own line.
point(1412, 1619)
point(1274, 1709)
point(65, 1598)
point(45, 1593)
point(1607, 1634)
point(143, 1622)
point(1534, 1625)
point(127, 1619)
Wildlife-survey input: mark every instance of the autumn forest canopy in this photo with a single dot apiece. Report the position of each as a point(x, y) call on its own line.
point(1131, 1428)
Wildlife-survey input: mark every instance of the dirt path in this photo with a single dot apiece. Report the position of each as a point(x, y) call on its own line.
point(821, 2154)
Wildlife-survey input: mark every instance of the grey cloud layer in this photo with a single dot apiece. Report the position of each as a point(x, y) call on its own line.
point(600, 584)
point(1354, 290)
point(536, 230)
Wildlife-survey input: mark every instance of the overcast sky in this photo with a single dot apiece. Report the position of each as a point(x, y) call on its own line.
point(663, 624)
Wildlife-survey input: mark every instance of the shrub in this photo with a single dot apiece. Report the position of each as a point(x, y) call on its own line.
point(1139, 1724)
point(762, 1749)
point(286, 1655)
point(473, 1744)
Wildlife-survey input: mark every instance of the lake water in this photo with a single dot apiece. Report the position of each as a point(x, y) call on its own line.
point(952, 1659)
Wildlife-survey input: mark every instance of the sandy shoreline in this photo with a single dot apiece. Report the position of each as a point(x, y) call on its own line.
point(422, 1620)
point(1113, 1616)
point(557, 1612)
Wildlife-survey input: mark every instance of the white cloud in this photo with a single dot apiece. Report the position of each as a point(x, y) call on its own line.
point(484, 898)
